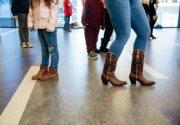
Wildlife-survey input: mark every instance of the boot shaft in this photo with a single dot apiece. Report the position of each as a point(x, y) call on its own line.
point(137, 62)
point(110, 63)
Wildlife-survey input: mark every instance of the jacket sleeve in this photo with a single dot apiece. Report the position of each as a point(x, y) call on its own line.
point(103, 17)
point(54, 11)
point(14, 7)
point(30, 18)
point(73, 6)
point(84, 14)
point(62, 4)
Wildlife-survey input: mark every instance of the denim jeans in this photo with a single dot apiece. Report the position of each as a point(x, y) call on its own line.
point(66, 25)
point(49, 46)
point(127, 14)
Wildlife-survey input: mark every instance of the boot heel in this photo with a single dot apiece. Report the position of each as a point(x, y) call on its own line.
point(105, 82)
point(133, 81)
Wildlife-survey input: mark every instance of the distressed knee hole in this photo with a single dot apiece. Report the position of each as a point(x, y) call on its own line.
point(50, 49)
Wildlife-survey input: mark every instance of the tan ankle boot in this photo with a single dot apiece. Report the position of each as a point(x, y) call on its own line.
point(137, 69)
point(109, 69)
point(51, 75)
point(43, 70)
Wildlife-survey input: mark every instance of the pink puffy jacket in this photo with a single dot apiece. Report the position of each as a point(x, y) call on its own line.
point(43, 16)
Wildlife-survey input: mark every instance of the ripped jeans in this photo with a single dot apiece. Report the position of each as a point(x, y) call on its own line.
point(127, 14)
point(49, 47)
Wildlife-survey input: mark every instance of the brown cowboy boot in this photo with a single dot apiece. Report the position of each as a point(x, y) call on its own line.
point(51, 75)
point(43, 70)
point(137, 69)
point(109, 69)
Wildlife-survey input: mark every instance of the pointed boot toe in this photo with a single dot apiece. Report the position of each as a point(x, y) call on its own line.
point(109, 69)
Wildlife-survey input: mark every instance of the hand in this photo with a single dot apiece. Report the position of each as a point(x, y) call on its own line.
point(31, 28)
point(156, 6)
point(47, 30)
point(85, 26)
point(102, 28)
point(15, 17)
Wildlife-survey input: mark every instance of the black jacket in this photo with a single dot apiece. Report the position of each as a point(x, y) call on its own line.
point(20, 6)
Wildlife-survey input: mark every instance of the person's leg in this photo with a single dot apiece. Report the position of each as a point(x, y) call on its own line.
point(65, 24)
point(21, 21)
point(95, 37)
point(119, 11)
point(88, 36)
point(146, 8)
point(68, 23)
point(108, 31)
point(26, 30)
point(44, 47)
point(140, 25)
point(153, 18)
point(51, 39)
point(45, 56)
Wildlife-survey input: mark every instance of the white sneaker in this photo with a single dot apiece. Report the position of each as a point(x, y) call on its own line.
point(23, 45)
point(29, 45)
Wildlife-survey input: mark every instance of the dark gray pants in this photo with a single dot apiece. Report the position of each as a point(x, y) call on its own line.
point(23, 27)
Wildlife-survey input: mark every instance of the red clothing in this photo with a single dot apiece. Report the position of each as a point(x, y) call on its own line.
point(91, 36)
point(67, 8)
point(94, 14)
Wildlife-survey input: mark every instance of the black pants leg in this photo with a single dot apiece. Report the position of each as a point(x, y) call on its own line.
point(108, 31)
point(146, 8)
point(152, 12)
point(23, 27)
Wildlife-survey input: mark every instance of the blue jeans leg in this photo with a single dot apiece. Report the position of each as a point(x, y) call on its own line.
point(125, 14)
point(52, 47)
point(119, 11)
point(68, 20)
point(44, 48)
point(140, 25)
point(66, 25)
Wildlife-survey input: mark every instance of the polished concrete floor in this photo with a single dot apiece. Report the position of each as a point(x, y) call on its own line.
point(79, 97)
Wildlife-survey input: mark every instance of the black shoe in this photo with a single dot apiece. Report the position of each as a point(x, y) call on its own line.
point(92, 55)
point(97, 51)
point(104, 50)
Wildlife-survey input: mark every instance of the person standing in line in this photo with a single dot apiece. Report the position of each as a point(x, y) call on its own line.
point(92, 18)
point(67, 13)
point(20, 9)
point(127, 14)
point(108, 31)
point(149, 9)
point(43, 15)
point(83, 2)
